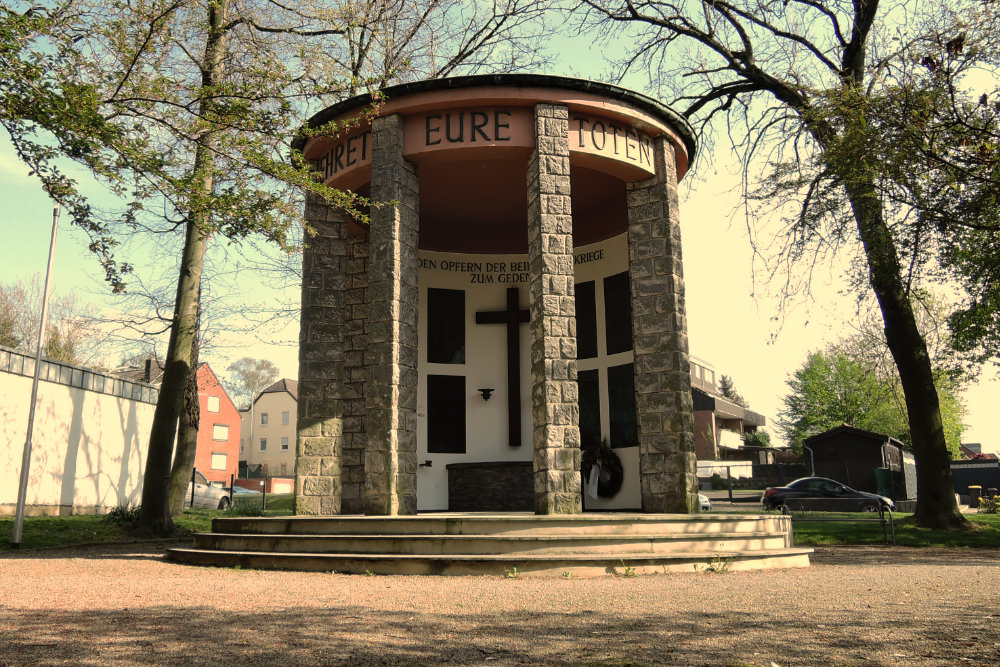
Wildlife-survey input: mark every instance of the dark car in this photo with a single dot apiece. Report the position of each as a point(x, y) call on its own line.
point(822, 494)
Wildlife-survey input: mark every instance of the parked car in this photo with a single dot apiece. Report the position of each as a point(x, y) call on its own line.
point(241, 491)
point(206, 496)
point(820, 493)
point(704, 503)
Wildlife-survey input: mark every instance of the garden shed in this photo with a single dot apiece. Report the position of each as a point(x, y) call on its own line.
point(852, 456)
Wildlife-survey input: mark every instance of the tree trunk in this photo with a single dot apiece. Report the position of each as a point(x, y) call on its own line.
point(187, 436)
point(936, 506)
point(155, 517)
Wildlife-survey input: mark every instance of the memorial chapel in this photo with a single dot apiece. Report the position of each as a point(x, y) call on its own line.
point(515, 300)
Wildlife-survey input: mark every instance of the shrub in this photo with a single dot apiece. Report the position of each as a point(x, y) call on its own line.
point(989, 505)
point(757, 439)
point(123, 515)
point(245, 507)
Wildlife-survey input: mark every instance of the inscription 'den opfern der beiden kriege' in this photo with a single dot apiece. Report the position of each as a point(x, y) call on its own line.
point(496, 127)
point(498, 272)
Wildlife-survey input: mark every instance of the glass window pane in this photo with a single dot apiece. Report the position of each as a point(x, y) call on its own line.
point(617, 313)
point(218, 461)
point(445, 326)
point(621, 403)
point(220, 432)
point(590, 407)
point(446, 414)
point(586, 320)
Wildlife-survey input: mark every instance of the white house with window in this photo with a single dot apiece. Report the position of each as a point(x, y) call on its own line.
point(267, 430)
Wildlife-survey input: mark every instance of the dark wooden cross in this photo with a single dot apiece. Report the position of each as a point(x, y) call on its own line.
point(512, 317)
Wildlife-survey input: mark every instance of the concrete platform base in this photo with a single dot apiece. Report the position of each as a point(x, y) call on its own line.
point(512, 544)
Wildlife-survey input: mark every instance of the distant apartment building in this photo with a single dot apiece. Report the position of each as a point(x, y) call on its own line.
point(719, 423)
point(267, 430)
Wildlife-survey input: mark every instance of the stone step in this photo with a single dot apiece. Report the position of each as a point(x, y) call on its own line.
point(589, 565)
point(603, 544)
point(507, 524)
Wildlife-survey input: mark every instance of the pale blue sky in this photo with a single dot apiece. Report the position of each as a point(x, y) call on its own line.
point(727, 327)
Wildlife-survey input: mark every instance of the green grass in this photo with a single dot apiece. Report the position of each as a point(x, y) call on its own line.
point(853, 532)
point(62, 531)
point(57, 531)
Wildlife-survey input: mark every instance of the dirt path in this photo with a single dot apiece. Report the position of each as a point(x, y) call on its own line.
point(855, 605)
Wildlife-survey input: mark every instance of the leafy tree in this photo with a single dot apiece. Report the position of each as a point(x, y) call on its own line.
point(841, 386)
point(249, 377)
point(216, 89)
point(814, 95)
point(50, 111)
point(72, 335)
point(831, 389)
point(728, 389)
point(200, 100)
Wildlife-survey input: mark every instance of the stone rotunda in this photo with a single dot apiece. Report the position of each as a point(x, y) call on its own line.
point(514, 300)
point(516, 293)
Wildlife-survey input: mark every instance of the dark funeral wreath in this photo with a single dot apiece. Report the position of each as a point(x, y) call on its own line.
point(610, 473)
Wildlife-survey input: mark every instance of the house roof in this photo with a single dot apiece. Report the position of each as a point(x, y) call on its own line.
point(970, 454)
point(284, 384)
point(852, 430)
point(724, 408)
point(137, 372)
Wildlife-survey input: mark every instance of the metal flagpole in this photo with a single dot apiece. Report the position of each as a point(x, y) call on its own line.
point(22, 489)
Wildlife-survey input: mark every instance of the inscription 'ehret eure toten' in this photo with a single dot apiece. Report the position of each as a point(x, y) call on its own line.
point(481, 127)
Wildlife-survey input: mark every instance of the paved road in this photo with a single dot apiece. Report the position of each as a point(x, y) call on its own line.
point(855, 605)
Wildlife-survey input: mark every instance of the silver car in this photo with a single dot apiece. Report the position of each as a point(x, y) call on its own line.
point(704, 504)
point(206, 496)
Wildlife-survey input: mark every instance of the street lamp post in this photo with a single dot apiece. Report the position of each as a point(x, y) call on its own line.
point(22, 489)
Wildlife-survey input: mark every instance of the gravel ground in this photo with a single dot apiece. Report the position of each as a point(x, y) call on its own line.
point(125, 605)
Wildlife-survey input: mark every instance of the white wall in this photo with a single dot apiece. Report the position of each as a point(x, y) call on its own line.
point(88, 448)
point(486, 365)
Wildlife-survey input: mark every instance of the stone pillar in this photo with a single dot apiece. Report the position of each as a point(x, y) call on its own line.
point(667, 466)
point(555, 406)
point(321, 369)
point(391, 393)
point(355, 374)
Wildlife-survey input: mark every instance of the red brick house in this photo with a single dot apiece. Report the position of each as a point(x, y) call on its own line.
point(218, 452)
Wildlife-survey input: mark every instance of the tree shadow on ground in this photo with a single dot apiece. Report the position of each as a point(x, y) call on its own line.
point(889, 555)
point(362, 636)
